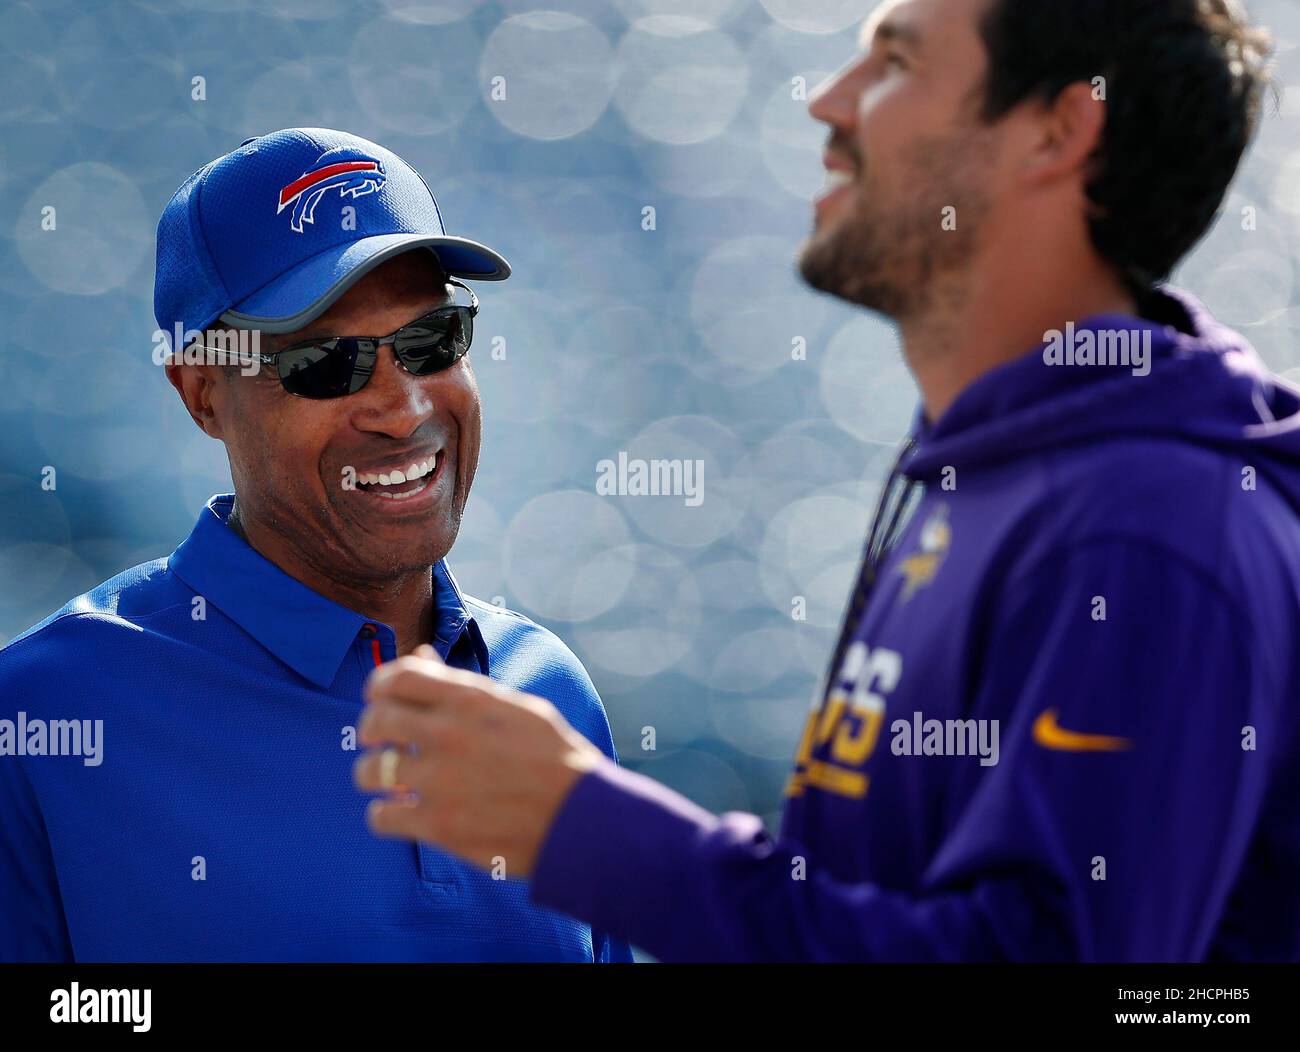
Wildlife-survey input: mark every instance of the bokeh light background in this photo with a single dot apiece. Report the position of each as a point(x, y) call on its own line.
point(674, 342)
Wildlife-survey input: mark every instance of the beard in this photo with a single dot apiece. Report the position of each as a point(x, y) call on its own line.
point(887, 256)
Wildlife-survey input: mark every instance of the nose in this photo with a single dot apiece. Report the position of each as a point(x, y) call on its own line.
point(835, 100)
point(393, 402)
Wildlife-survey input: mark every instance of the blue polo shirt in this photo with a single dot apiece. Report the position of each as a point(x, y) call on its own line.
point(201, 805)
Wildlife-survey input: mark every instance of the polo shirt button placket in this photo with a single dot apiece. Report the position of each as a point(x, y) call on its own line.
point(370, 632)
point(436, 870)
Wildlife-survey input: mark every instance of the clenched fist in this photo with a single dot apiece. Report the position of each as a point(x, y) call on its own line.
point(466, 764)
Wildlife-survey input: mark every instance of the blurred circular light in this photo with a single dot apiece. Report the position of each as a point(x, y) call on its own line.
point(652, 717)
point(784, 53)
point(711, 168)
point(1277, 339)
point(46, 327)
point(767, 726)
point(730, 586)
point(568, 555)
point(29, 571)
point(619, 368)
point(26, 89)
point(102, 230)
point(304, 10)
point(751, 661)
point(801, 458)
point(201, 469)
point(792, 144)
point(814, 644)
point(1286, 185)
point(296, 95)
point(20, 373)
point(710, 12)
point(654, 627)
point(1249, 287)
point(680, 81)
point(27, 30)
point(141, 89)
point(106, 383)
point(749, 307)
point(415, 78)
point(99, 452)
point(556, 70)
point(1283, 20)
point(865, 386)
point(475, 558)
point(1244, 271)
point(811, 549)
point(27, 509)
point(819, 16)
point(429, 12)
point(516, 340)
point(705, 470)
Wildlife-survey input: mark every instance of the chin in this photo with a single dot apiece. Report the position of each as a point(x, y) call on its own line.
point(819, 262)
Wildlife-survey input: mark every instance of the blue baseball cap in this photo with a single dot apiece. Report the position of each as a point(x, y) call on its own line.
point(271, 234)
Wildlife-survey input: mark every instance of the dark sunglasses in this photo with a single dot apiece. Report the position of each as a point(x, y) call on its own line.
point(334, 366)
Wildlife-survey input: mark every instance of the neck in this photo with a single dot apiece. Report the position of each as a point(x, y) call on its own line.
point(977, 320)
point(403, 602)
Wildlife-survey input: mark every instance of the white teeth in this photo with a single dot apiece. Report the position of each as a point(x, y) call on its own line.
point(397, 477)
point(420, 488)
point(838, 177)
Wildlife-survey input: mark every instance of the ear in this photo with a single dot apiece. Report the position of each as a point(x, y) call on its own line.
point(1068, 132)
point(197, 385)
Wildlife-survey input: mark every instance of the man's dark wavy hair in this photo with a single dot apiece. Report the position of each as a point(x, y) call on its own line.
point(1185, 82)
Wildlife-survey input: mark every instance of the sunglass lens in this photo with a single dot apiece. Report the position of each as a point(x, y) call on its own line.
point(327, 369)
point(436, 342)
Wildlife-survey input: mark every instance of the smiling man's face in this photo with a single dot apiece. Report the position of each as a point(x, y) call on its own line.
point(292, 458)
point(906, 144)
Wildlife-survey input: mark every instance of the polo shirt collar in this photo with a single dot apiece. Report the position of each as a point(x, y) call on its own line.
point(308, 632)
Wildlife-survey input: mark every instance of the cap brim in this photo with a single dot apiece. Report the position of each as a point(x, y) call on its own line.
point(300, 296)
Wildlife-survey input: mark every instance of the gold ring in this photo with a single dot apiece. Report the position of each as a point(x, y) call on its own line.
point(388, 768)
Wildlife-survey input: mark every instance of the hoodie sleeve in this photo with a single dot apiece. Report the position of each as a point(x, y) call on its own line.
point(1110, 829)
point(563, 679)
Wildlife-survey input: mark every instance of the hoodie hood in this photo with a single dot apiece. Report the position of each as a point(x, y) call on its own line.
point(1202, 383)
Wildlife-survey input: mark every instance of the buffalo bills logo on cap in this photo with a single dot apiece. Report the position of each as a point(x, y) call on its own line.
point(351, 173)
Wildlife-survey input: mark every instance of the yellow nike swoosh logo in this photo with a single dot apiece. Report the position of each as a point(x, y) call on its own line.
point(1051, 735)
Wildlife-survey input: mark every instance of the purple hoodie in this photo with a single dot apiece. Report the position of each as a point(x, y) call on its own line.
point(1063, 723)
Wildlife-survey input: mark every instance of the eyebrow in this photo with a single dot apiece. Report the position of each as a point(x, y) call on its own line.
point(892, 32)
